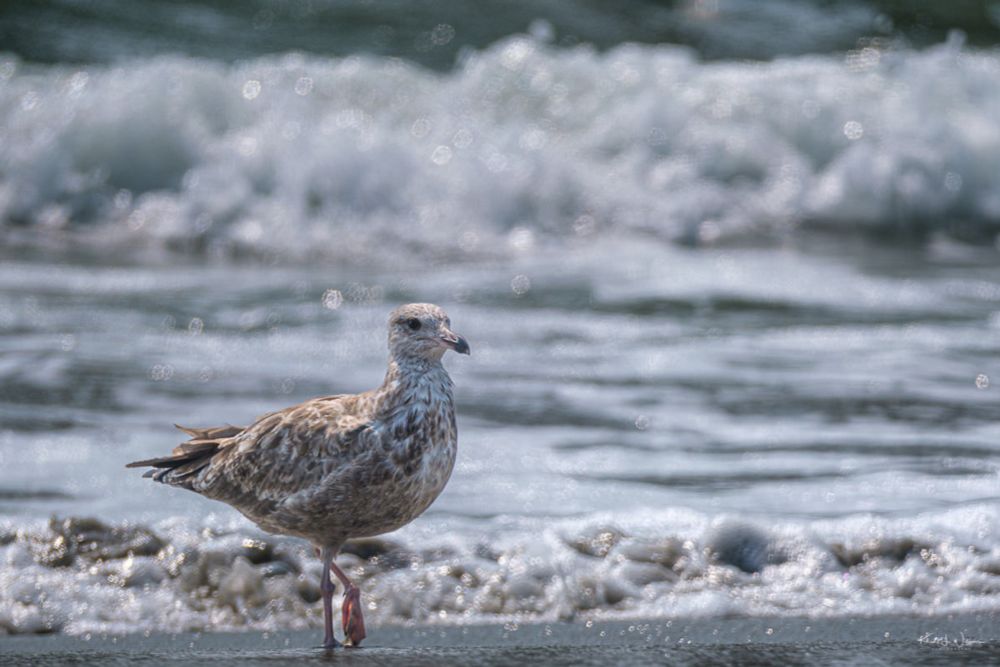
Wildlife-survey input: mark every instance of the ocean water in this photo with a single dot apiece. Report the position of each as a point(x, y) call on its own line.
point(735, 323)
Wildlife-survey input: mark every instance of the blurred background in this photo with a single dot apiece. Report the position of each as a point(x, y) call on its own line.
point(729, 271)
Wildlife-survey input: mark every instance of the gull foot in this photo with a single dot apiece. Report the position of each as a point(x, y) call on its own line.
point(351, 618)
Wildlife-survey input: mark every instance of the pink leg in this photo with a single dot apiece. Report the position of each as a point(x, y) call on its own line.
point(350, 611)
point(326, 588)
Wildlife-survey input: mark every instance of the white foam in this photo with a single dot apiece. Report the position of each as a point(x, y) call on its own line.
point(521, 142)
point(658, 565)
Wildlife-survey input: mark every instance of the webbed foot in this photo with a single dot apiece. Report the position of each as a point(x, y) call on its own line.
point(351, 617)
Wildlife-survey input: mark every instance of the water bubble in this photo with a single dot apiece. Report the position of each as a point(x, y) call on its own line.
point(123, 199)
point(496, 162)
point(442, 34)
point(883, 23)
point(161, 372)
point(202, 223)
point(584, 225)
point(250, 230)
point(136, 220)
point(7, 69)
point(29, 100)
point(462, 139)
point(704, 9)
point(520, 284)
point(709, 231)
point(982, 381)
point(657, 137)
point(516, 53)
point(332, 299)
point(642, 422)
point(251, 89)
point(864, 59)
point(247, 146)
point(421, 128)
point(196, 326)
point(542, 30)
point(54, 216)
point(303, 86)
point(359, 293)
point(248, 321)
point(533, 140)
point(521, 238)
point(67, 343)
point(352, 118)
point(952, 182)
point(78, 82)
point(853, 130)
point(441, 156)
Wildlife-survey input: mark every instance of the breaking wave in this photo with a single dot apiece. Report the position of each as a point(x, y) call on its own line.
point(522, 143)
point(80, 575)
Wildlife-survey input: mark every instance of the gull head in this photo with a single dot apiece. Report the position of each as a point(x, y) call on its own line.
point(422, 331)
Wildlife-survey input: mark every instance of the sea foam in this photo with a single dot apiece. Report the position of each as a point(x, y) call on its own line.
point(297, 155)
point(81, 575)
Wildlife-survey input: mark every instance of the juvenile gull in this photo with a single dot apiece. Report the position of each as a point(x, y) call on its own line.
point(338, 467)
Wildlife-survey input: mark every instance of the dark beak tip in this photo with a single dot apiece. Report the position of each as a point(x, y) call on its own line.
point(462, 346)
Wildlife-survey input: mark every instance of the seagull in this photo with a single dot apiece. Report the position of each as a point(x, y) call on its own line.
point(338, 467)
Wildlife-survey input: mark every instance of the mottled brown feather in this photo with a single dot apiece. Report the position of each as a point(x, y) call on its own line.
point(338, 466)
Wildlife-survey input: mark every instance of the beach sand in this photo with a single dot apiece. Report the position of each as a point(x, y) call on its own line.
point(952, 640)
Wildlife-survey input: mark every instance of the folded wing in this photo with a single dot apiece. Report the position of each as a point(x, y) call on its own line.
point(278, 455)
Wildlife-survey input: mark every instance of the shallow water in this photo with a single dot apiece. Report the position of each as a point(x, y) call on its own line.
point(963, 640)
point(680, 432)
point(435, 34)
point(734, 324)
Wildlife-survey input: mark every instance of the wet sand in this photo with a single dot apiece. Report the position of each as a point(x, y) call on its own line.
point(951, 640)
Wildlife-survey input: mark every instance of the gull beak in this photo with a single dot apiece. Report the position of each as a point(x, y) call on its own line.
point(453, 341)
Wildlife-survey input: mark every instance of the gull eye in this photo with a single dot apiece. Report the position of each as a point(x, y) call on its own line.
point(413, 323)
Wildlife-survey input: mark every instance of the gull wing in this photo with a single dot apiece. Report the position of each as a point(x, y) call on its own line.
point(278, 454)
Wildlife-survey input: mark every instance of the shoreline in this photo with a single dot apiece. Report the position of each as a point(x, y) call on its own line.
point(968, 639)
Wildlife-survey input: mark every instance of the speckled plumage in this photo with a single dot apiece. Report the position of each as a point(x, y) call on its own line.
point(338, 467)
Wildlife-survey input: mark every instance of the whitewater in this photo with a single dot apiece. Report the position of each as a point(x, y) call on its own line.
point(299, 156)
point(735, 326)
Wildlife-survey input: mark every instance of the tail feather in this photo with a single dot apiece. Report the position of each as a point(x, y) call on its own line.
point(188, 458)
point(217, 433)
